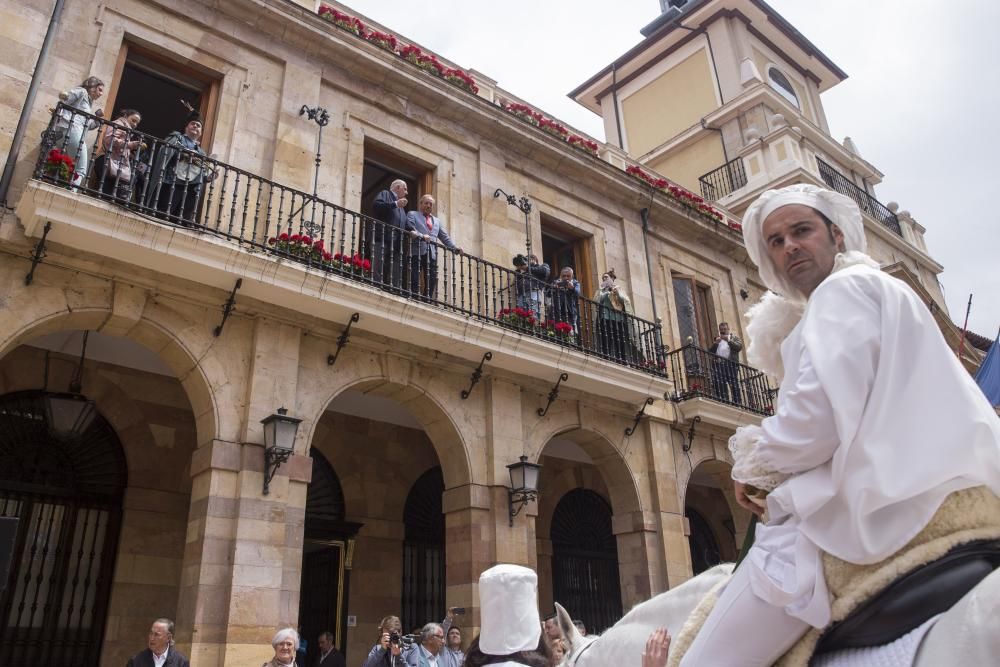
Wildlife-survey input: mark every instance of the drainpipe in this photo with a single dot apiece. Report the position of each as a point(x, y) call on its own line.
point(614, 100)
point(29, 102)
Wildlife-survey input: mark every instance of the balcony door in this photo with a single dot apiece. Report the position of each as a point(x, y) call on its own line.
point(693, 302)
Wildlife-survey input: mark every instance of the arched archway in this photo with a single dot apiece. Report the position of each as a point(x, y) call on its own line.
point(64, 497)
point(711, 524)
point(423, 551)
point(585, 578)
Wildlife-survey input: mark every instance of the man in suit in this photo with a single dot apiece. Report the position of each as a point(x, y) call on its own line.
point(159, 651)
point(385, 240)
point(328, 656)
point(426, 231)
point(431, 643)
point(726, 349)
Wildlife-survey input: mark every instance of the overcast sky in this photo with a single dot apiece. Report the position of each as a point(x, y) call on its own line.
point(921, 98)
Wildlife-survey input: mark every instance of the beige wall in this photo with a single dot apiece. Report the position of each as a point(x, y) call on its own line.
point(686, 164)
point(672, 102)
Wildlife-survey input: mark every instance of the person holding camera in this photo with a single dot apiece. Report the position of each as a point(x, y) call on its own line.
point(566, 299)
point(725, 377)
point(389, 650)
point(529, 283)
point(613, 324)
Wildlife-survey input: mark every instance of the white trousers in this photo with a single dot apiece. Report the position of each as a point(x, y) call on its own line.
point(743, 630)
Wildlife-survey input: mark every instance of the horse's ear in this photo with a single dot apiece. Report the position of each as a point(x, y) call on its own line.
point(569, 630)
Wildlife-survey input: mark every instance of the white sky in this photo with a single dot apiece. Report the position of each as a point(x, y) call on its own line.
point(920, 101)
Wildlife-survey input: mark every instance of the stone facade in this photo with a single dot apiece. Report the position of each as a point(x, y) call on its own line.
point(200, 542)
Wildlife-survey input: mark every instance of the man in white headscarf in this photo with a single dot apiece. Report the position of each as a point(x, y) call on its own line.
point(879, 434)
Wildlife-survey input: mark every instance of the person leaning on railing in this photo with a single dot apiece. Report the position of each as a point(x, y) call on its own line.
point(71, 128)
point(179, 171)
point(113, 168)
point(613, 320)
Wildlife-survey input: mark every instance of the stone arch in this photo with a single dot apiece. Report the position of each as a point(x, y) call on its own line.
point(714, 519)
point(188, 354)
point(422, 403)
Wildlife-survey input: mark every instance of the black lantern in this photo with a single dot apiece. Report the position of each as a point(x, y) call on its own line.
point(523, 485)
point(279, 441)
point(69, 414)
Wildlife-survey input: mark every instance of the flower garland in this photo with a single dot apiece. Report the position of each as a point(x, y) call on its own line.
point(553, 127)
point(427, 62)
point(303, 247)
point(684, 197)
point(59, 165)
point(518, 317)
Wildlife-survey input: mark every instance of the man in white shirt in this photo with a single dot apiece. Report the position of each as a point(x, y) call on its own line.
point(725, 375)
point(159, 651)
point(431, 643)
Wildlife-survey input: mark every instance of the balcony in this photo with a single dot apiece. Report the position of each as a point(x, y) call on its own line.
point(700, 374)
point(241, 218)
point(723, 181)
point(868, 204)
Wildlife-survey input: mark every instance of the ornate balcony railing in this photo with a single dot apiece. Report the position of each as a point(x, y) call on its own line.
point(698, 372)
point(865, 201)
point(724, 180)
point(173, 185)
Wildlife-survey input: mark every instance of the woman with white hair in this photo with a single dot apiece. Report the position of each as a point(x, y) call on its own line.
point(285, 642)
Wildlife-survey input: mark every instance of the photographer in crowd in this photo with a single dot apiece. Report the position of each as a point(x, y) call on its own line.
point(529, 283)
point(389, 650)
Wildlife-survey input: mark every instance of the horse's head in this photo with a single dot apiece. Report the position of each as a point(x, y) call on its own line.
point(575, 642)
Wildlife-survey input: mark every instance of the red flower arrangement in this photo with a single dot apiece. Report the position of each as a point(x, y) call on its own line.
point(341, 20)
point(518, 317)
point(382, 40)
point(461, 79)
point(553, 127)
point(682, 196)
point(582, 142)
point(524, 112)
point(301, 246)
point(428, 63)
point(59, 165)
point(560, 330)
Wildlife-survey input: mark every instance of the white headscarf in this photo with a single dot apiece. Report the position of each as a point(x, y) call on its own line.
point(508, 598)
point(839, 209)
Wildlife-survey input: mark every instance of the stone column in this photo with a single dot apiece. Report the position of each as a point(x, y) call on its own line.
point(674, 554)
point(638, 549)
point(470, 538)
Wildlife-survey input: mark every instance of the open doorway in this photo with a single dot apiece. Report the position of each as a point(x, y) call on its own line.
point(155, 85)
point(564, 246)
point(383, 166)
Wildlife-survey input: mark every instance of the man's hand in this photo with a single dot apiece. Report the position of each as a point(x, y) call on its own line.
point(384, 641)
point(744, 500)
point(401, 202)
point(657, 647)
point(99, 113)
point(718, 338)
point(414, 233)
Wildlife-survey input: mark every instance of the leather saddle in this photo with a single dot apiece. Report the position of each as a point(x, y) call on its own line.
point(914, 598)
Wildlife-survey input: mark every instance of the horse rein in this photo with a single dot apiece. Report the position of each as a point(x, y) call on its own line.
point(576, 658)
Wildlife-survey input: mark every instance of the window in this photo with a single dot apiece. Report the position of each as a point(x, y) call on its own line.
point(154, 85)
point(694, 311)
point(781, 84)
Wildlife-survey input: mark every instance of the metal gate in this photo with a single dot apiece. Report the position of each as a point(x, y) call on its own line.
point(423, 552)
point(66, 497)
point(585, 560)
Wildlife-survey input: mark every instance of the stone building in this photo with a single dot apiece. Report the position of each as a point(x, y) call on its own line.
point(184, 335)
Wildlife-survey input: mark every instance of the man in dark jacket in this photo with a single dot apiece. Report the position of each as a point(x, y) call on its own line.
point(725, 375)
point(530, 281)
point(159, 651)
point(386, 239)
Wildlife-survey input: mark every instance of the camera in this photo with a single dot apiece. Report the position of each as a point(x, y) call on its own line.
point(394, 638)
point(520, 260)
point(458, 611)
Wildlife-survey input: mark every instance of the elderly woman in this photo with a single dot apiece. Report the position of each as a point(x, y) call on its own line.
point(71, 128)
point(613, 324)
point(114, 168)
point(285, 642)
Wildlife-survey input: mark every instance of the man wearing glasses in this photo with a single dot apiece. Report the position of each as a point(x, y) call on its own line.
point(431, 643)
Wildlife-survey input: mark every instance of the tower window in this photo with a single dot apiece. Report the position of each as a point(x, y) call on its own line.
point(781, 84)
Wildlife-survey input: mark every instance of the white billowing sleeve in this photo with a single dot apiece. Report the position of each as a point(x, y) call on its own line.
point(802, 435)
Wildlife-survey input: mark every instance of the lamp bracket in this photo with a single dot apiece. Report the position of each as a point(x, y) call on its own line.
point(273, 458)
point(686, 446)
point(38, 254)
point(476, 375)
point(642, 411)
point(518, 499)
point(228, 307)
point(342, 340)
point(553, 395)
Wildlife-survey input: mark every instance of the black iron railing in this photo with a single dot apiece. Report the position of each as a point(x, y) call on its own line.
point(865, 201)
point(698, 372)
point(174, 183)
point(725, 180)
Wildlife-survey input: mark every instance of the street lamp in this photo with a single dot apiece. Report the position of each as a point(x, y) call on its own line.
point(322, 118)
point(279, 441)
point(69, 414)
point(523, 485)
point(523, 205)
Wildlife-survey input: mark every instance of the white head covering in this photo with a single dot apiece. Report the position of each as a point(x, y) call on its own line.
point(508, 598)
point(839, 209)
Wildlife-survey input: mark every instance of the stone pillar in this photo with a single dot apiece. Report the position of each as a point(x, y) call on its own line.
point(242, 564)
point(470, 539)
point(638, 547)
point(674, 553)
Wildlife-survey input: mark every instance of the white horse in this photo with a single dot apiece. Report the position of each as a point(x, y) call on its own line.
point(967, 634)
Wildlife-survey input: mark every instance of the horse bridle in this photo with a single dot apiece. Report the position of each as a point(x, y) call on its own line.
point(576, 658)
